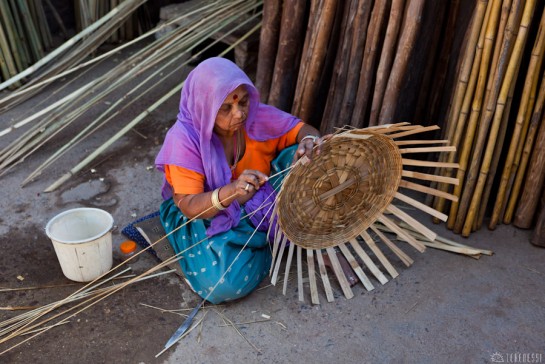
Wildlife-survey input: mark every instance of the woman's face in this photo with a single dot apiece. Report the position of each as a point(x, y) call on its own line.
point(233, 112)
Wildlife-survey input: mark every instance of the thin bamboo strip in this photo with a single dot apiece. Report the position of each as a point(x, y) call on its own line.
point(423, 207)
point(373, 43)
point(405, 259)
point(386, 59)
point(325, 277)
point(356, 267)
point(312, 277)
point(477, 176)
point(446, 241)
point(536, 170)
point(520, 129)
point(418, 226)
point(410, 142)
point(288, 267)
point(341, 278)
point(429, 177)
point(414, 131)
point(392, 226)
point(300, 274)
point(278, 261)
point(421, 163)
point(368, 262)
point(378, 253)
point(407, 42)
point(428, 190)
point(277, 242)
point(427, 150)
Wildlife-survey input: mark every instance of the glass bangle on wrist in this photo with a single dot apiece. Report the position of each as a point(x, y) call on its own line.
point(216, 200)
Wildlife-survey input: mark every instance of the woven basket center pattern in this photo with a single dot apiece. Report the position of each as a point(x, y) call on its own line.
point(341, 192)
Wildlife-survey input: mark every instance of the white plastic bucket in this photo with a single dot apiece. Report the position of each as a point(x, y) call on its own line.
point(82, 239)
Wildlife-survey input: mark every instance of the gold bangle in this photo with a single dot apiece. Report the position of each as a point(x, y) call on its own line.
point(216, 200)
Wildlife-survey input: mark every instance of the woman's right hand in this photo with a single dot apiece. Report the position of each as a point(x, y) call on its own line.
point(249, 182)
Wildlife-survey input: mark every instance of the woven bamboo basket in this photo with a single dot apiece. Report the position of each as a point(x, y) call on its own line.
point(341, 192)
point(338, 210)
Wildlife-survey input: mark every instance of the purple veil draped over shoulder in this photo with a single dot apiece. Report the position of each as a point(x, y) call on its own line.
point(190, 143)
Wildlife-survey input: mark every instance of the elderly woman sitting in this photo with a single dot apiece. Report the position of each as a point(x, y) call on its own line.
point(216, 160)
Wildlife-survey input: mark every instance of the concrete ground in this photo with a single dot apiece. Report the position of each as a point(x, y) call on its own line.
point(445, 308)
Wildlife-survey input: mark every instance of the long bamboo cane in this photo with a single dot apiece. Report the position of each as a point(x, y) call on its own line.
point(536, 169)
point(409, 33)
point(496, 157)
point(307, 88)
point(464, 76)
point(521, 124)
point(372, 44)
point(499, 75)
point(357, 49)
point(340, 71)
point(464, 159)
point(529, 128)
point(477, 176)
point(291, 39)
point(386, 58)
point(268, 46)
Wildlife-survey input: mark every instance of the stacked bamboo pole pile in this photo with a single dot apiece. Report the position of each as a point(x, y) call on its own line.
point(498, 140)
point(351, 64)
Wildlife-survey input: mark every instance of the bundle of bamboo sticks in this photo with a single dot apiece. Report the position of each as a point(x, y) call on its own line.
point(170, 53)
point(492, 136)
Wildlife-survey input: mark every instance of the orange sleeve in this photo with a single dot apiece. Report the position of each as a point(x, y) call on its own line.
point(290, 137)
point(184, 181)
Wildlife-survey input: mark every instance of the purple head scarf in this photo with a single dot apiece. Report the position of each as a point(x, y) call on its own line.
point(191, 143)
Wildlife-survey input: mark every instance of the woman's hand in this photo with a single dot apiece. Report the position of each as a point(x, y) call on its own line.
point(249, 181)
point(309, 145)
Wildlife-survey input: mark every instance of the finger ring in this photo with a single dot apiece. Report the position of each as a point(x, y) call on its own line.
point(247, 187)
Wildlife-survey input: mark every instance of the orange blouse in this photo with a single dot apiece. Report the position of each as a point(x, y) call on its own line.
point(258, 155)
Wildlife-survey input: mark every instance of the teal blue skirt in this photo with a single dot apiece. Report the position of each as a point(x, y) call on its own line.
point(210, 265)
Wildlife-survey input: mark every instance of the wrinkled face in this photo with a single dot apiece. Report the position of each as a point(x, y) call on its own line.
point(233, 112)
